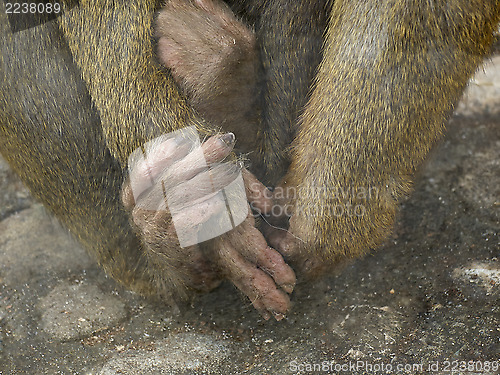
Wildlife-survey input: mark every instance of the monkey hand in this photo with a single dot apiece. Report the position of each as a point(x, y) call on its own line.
point(174, 173)
point(171, 175)
point(255, 268)
point(197, 40)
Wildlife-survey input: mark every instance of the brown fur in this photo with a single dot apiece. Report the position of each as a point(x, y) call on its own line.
point(86, 91)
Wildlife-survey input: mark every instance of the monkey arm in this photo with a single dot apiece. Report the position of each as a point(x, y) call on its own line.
point(136, 100)
point(390, 76)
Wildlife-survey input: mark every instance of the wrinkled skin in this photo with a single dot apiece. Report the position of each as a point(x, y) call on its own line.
point(241, 255)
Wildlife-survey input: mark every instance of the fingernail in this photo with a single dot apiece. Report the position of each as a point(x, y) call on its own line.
point(179, 140)
point(281, 248)
point(278, 316)
point(228, 139)
point(288, 288)
point(265, 315)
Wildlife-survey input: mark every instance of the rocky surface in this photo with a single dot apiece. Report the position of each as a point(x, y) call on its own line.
point(13, 195)
point(425, 302)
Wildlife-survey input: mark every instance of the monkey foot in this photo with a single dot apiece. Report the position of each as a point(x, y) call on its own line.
point(171, 171)
point(214, 44)
point(256, 269)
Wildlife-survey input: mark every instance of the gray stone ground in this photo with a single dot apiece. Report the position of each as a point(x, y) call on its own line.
point(429, 298)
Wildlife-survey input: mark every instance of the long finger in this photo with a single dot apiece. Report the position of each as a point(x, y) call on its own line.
point(252, 245)
point(254, 283)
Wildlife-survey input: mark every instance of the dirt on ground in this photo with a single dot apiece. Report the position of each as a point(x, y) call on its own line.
point(426, 302)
